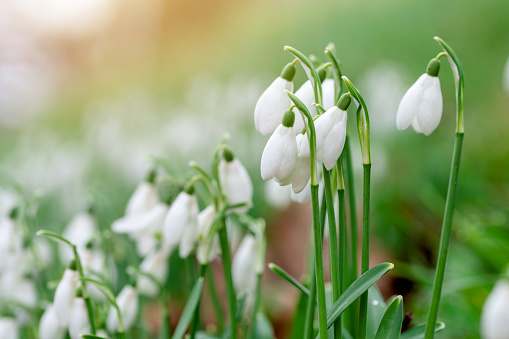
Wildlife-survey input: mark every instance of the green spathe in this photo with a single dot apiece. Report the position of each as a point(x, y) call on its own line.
point(344, 101)
point(433, 67)
point(288, 72)
point(288, 119)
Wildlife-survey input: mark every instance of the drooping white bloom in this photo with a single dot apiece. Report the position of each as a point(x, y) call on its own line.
point(273, 103)
point(305, 94)
point(279, 155)
point(8, 328)
point(143, 199)
point(244, 265)
point(24, 293)
point(80, 231)
point(302, 173)
point(506, 76)
point(207, 249)
point(421, 105)
point(303, 196)
point(277, 196)
point(156, 265)
point(235, 183)
point(11, 247)
point(79, 323)
point(64, 295)
point(127, 301)
point(328, 93)
point(93, 261)
point(182, 217)
point(49, 327)
point(330, 136)
point(495, 312)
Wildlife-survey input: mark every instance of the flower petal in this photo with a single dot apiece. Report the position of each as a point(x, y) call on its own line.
point(409, 105)
point(272, 105)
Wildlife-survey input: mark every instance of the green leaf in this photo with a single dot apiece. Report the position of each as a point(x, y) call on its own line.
point(188, 313)
point(263, 329)
point(355, 290)
point(91, 336)
point(376, 310)
point(390, 327)
point(417, 332)
point(299, 319)
point(288, 278)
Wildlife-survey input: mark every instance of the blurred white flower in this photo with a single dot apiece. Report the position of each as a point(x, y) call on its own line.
point(277, 196)
point(235, 183)
point(207, 249)
point(127, 301)
point(328, 93)
point(244, 265)
point(422, 105)
point(303, 196)
point(495, 312)
point(143, 199)
point(506, 76)
point(80, 231)
point(306, 94)
point(11, 247)
point(182, 218)
point(64, 295)
point(330, 136)
point(93, 262)
point(49, 327)
point(279, 156)
point(274, 102)
point(302, 172)
point(79, 323)
point(8, 328)
point(156, 265)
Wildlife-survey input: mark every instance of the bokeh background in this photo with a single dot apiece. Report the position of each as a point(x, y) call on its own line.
point(91, 91)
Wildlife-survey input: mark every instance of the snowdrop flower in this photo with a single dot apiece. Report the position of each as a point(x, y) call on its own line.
point(495, 313)
point(235, 181)
point(302, 172)
point(8, 328)
point(207, 250)
point(11, 246)
point(79, 323)
point(182, 217)
point(303, 196)
point(49, 327)
point(24, 293)
point(273, 103)
point(156, 265)
point(279, 156)
point(506, 76)
point(127, 301)
point(80, 231)
point(93, 261)
point(244, 265)
point(305, 94)
point(422, 105)
point(65, 293)
point(277, 196)
point(328, 93)
point(144, 197)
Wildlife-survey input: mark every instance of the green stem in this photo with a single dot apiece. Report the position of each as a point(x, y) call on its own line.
point(256, 305)
point(227, 268)
point(319, 271)
point(215, 300)
point(333, 248)
point(196, 318)
point(363, 308)
point(445, 237)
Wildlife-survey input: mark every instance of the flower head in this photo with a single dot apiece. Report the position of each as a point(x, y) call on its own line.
point(65, 294)
point(79, 323)
point(495, 313)
point(182, 216)
point(127, 301)
point(274, 102)
point(235, 181)
point(49, 327)
point(156, 265)
point(244, 265)
point(422, 105)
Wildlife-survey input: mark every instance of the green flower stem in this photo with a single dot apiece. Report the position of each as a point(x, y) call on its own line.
point(333, 248)
point(319, 271)
point(451, 191)
point(343, 264)
point(84, 291)
point(348, 169)
point(215, 300)
point(227, 268)
point(256, 305)
point(196, 318)
point(363, 308)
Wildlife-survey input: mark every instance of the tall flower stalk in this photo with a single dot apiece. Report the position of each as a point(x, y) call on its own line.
point(451, 190)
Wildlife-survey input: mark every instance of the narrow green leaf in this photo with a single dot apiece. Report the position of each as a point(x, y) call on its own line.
point(390, 327)
point(188, 313)
point(376, 310)
point(288, 278)
point(91, 336)
point(355, 290)
point(299, 319)
point(417, 332)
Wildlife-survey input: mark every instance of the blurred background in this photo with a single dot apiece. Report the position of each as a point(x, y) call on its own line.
point(91, 90)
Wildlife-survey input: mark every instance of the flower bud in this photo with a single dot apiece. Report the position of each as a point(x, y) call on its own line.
point(64, 296)
point(235, 183)
point(49, 327)
point(79, 323)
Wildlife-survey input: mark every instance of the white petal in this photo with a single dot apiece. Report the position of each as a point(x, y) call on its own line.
point(182, 214)
point(127, 301)
point(303, 196)
point(495, 313)
point(506, 76)
point(330, 136)
point(80, 230)
point(141, 221)
point(288, 159)
point(301, 175)
point(235, 183)
point(430, 109)
point(156, 265)
point(409, 105)
point(64, 296)
point(415, 125)
point(143, 199)
point(49, 327)
point(272, 105)
point(8, 328)
point(243, 265)
point(306, 94)
point(78, 322)
point(277, 196)
point(328, 93)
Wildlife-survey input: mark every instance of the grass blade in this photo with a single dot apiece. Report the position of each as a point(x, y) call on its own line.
point(188, 313)
point(390, 327)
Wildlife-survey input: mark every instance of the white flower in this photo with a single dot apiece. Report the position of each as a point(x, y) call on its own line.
point(182, 216)
point(127, 301)
point(277, 196)
point(143, 199)
point(80, 231)
point(328, 93)
point(79, 323)
point(302, 173)
point(49, 327)
point(64, 295)
point(235, 183)
point(8, 328)
point(11, 247)
point(207, 249)
point(305, 94)
point(244, 265)
point(495, 312)
point(279, 155)
point(272, 105)
point(303, 196)
point(93, 261)
point(421, 105)
point(506, 76)
point(156, 265)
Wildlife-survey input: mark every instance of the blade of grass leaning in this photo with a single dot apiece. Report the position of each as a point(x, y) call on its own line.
point(288, 278)
point(390, 326)
point(376, 311)
point(358, 287)
point(417, 332)
point(188, 313)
